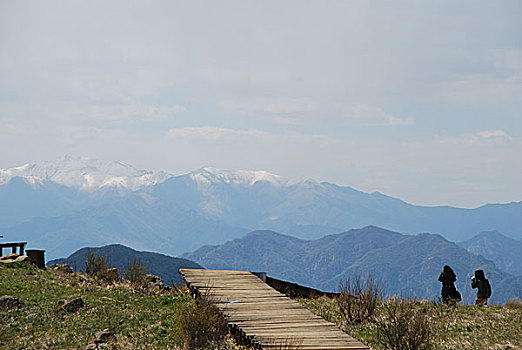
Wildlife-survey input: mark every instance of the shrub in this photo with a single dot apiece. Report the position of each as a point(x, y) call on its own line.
point(514, 302)
point(404, 326)
point(200, 324)
point(96, 265)
point(136, 273)
point(359, 298)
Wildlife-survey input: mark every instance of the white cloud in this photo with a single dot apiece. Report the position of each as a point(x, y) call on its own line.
point(507, 58)
point(482, 87)
point(136, 112)
point(214, 133)
point(372, 115)
point(487, 134)
point(495, 76)
point(270, 105)
point(477, 137)
point(114, 114)
point(302, 111)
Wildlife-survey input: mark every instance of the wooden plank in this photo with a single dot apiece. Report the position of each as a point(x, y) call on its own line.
point(296, 326)
point(264, 315)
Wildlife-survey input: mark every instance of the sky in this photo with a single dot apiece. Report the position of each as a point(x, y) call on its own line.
point(420, 100)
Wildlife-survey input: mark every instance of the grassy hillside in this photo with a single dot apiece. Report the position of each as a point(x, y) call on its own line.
point(461, 327)
point(139, 319)
point(159, 319)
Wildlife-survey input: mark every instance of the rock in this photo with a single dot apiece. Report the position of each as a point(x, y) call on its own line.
point(9, 302)
point(83, 278)
point(62, 267)
point(21, 258)
point(9, 256)
point(154, 281)
point(104, 336)
point(71, 305)
point(112, 275)
point(91, 347)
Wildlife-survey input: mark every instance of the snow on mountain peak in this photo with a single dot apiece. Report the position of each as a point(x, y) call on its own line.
point(87, 174)
point(84, 173)
point(246, 178)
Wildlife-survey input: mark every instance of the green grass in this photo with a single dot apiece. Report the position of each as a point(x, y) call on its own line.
point(140, 319)
point(454, 327)
point(145, 319)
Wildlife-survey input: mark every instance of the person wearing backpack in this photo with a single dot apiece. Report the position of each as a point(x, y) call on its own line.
point(480, 282)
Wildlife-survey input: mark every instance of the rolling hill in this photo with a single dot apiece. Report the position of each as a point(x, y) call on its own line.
point(119, 256)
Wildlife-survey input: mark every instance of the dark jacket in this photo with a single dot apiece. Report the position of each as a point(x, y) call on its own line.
point(448, 278)
point(480, 282)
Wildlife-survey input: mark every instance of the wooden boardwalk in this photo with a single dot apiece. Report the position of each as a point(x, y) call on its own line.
point(264, 318)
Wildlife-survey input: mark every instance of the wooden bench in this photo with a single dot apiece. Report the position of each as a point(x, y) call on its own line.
point(13, 246)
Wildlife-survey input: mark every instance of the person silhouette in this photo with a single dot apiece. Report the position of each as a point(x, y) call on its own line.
point(480, 282)
point(450, 294)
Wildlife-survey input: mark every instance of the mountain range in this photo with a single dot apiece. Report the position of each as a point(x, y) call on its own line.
point(137, 220)
point(120, 256)
point(406, 265)
point(67, 204)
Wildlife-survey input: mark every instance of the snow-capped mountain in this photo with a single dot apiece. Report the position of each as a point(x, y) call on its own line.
point(61, 191)
point(205, 177)
point(84, 174)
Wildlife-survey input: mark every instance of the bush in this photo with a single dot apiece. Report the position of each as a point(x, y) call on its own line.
point(514, 303)
point(359, 298)
point(403, 326)
point(96, 265)
point(200, 324)
point(136, 273)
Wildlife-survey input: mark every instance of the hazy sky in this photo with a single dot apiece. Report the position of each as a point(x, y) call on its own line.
point(421, 100)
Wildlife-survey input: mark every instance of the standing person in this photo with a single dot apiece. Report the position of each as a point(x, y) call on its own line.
point(449, 293)
point(480, 282)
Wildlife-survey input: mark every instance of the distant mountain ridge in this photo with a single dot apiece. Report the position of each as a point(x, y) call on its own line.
point(309, 209)
point(408, 265)
point(504, 251)
point(64, 205)
point(119, 256)
point(137, 220)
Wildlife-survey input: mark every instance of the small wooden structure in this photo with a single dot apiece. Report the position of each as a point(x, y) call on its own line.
point(13, 246)
point(261, 317)
point(37, 257)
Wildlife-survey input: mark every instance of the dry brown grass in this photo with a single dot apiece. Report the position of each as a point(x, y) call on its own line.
point(402, 326)
point(459, 327)
point(200, 324)
point(358, 300)
point(515, 302)
point(135, 273)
